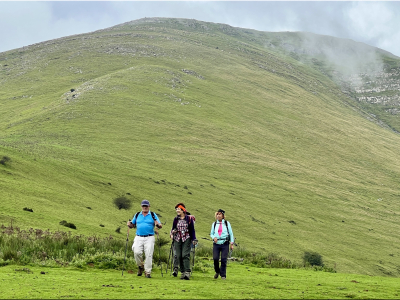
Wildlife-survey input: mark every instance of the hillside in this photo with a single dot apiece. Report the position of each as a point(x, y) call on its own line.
point(180, 110)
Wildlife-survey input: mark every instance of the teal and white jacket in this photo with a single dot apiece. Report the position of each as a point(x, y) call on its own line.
point(226, 234)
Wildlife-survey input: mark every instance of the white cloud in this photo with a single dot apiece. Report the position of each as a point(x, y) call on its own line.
point(370, 19)
point(375, 23)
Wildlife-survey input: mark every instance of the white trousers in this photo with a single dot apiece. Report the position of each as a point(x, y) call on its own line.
point(146, 245)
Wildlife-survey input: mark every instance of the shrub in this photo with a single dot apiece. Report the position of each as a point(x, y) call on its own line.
point(203, 251)
point(4, 160)
point(312, 258)
point(122, 202)
point(66, 224)
point(9, 254)
point(71, 225)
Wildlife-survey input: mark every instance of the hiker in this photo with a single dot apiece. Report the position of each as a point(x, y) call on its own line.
point(144, 222)
point(222, 235)
point(175, 260)
point(183, 235)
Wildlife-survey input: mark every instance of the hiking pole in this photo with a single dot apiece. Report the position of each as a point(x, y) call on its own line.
point(126, 247)
point(194, 252)
point(159, 254)
point(171, 251)
point(169, 256)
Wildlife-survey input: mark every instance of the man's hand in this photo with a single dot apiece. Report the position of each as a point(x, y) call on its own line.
point(195, 242)
point(231, 246)
point(158, 225)
point(130, 225)
point(215, 240)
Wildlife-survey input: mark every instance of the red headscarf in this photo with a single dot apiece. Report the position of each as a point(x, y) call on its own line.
point(181, 207)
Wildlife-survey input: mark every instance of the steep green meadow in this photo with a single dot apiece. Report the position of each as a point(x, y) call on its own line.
point(178, 110)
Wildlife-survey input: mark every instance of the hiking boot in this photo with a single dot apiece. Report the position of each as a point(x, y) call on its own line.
point(223, 278)
point(148, 275)
point(187, 276)
point(182, 275)
point(175, 273)
point(216, 275)
point(140, 271)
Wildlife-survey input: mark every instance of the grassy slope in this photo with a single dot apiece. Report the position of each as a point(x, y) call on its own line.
point(263, 136)
point(242, 283)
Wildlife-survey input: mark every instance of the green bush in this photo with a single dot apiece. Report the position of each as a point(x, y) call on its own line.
point(312, 258)
point(4, 160)
point(59, 249)
point(203, 251)
point(66, 224)
point(122, 202)
point(3, 262)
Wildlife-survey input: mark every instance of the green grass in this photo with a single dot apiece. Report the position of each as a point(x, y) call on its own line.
point(248, 129)
point(242, 282)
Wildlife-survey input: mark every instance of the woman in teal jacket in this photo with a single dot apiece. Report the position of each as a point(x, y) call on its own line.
point(222, 236)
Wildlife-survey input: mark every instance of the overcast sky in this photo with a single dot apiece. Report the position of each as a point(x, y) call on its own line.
point(375, 23)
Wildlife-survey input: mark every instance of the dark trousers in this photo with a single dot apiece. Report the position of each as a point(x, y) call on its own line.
point(183, 255)
point(222, 250)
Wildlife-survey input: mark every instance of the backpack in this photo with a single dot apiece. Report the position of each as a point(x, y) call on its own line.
point(191, 217)
point(227, 229)
point(152, 215)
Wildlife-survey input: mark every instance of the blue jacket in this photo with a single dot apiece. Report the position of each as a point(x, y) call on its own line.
point(225, 233)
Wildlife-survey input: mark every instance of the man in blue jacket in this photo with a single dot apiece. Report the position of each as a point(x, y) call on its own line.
point(144, 241)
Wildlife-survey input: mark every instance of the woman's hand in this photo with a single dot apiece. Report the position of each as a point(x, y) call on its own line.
point(231, 246)
point(215, 240)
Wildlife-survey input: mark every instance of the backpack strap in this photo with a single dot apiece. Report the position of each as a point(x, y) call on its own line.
point(152, 215)
point(136, 215)
point(227, 229)
point(226, 224)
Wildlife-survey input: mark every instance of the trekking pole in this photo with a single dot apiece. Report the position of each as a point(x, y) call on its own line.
point(194, 253)
point(126, 247)
point(171, 251)
point(159, 254)
point(169, 256)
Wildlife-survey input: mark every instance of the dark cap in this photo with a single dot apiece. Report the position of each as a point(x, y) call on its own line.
point(145, 202)
point(221, 211)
